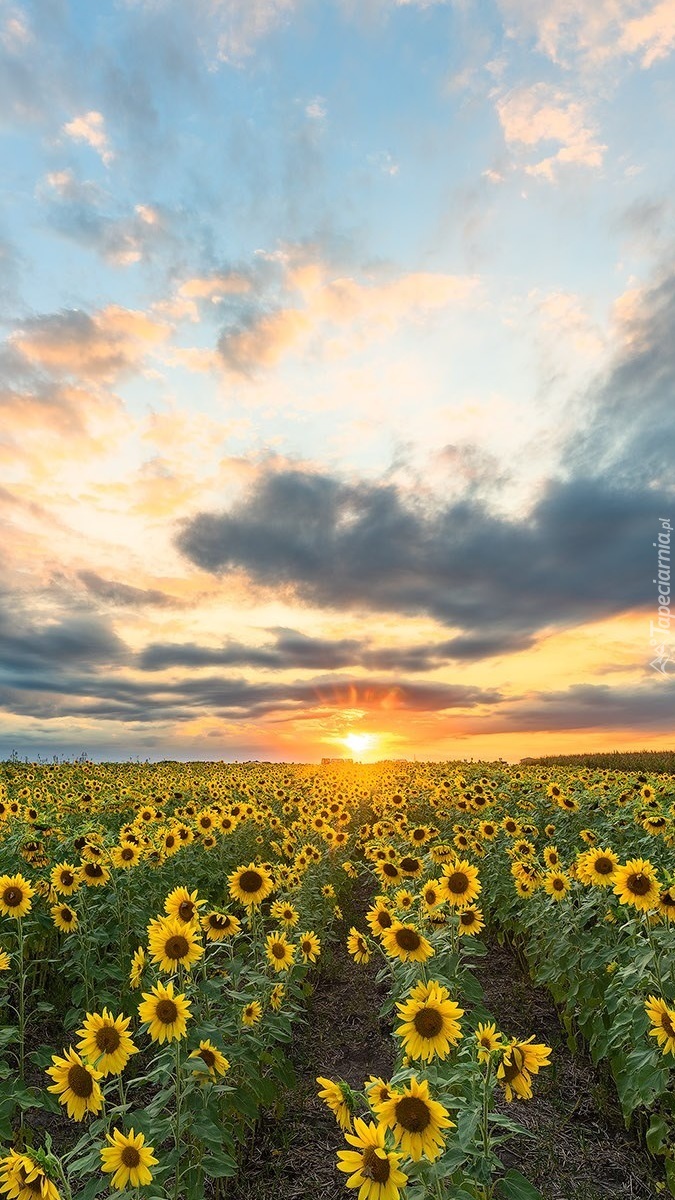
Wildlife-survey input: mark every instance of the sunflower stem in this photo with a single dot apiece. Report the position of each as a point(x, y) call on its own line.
point(177, 1135)
point(22, 1003)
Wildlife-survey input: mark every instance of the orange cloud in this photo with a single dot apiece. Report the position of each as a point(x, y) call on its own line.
point(543, 113)
point(90, 128)
point(99, 347)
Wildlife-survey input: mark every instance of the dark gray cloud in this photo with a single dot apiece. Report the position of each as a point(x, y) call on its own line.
point(124, 595)
point(586, 706)
point(584, 551)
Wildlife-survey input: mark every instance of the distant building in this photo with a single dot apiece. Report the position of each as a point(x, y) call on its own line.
point(326, 761)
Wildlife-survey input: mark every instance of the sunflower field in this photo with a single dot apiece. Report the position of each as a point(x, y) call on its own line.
point(164, 926)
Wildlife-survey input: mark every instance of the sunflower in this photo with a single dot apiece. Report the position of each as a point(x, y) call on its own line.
point(377, 1090)
point(125, 856)
point(470, 921)
point(663, 1020)
point(667, 902)
point(250, 885)
point(430, 1022)
point(379, 918)
point(459, 883)
point(358, 946)
point(285, 914)
point(251, 1013)
point(389, 873)
point(75, 1084)
point(279, 951)
point(417, 1121)
point(64, 917)
point(164, 1013)
point(215, 1061)
point(371, 1168)
point(94, 874)
point(489, 1040)
point(173, 944)
point(276, 996)
point(519, 1062)
point(23, 1178)
point(137, 966)
point(218, 926)
point(183, 905)
point(338, 1098)
point(407, 943)
point(310, 946)
point(129, 1158)
point(65, 878)
point(106, 1042)
point(551, 857)
point(598, 867)
point(411, 866)
point(637, 884)
point(15, 895)
point(5, 961)
point(557, 884)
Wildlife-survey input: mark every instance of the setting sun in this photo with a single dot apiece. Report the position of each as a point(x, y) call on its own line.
point(358, 742)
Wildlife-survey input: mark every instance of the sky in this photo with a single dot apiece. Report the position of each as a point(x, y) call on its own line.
point(336, 378)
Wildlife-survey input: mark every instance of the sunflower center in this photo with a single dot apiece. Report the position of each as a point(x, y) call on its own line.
point(603, 865)
point(127, 854)
point(176, 947)
point(307, 947)
point(130, 1157)
point(217, 922)
point(167, 1012)
point(67, 878)
point(408, 939)
point(250, 881)
point(558, 885)
point(12, 897)
point(373, 1167)
point(80, 1082)
point(413, 1114)
point(278, 950)
point(410, 864)
point(513, 1068)
point(93, 870)
point(186, 910)
point(458, 882)
point(107, 1039)
point(361, 945)
point(667, 1024)
point(384, 919)
point(638, 883)
point(428, 1022)
point(207, 1056)
point(467, 918)
point(390, 869)
point(66, 914)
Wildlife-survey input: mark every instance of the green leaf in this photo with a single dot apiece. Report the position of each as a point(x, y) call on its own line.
point(657, 1135)
point(515, 1186)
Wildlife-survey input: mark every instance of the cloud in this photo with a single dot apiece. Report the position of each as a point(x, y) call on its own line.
point(90, 128)
point(125, 595)
point(576, 33)
point(586, 706)
point(543, 113)
point(228, 30)
point(100, 347)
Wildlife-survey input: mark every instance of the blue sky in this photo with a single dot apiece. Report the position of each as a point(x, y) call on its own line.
point(412, 260)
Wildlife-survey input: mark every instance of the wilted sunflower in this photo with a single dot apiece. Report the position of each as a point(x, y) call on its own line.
point(65, 878)
point(637, 884)
point(164, 1013)
point(470, 921)
point(459, 883)
point(489, 1040)
point(75, 1084)
point(183, 905)
point(430, 1022)
point(310, 946)
point(663, 1020)
point(215, 1061)
point(371, 1168)
point(279, 951)
point(172, 944)
point(64, 917)
point(218, 926)
point(251, 1013)
point(106, 1042)
point(25, 1179)
point(417, 1121)
point(358, 946)
point(407, 943)
point(15, 895)
point(338, 1098)
point(519, 1062)
point(129, 1158)
point(250, 885)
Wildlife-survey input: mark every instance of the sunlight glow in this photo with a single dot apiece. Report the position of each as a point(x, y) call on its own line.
point(359, 741)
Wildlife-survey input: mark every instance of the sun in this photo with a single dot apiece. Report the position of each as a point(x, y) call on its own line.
point(358, 742)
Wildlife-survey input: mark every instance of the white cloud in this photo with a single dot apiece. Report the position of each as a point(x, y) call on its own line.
point(90, 128)
point(542, 113)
